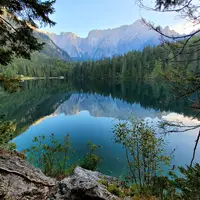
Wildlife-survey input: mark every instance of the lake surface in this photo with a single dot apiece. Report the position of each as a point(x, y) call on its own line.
point(88, 110)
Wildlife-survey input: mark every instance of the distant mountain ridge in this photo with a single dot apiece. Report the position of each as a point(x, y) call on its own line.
point(107, 43)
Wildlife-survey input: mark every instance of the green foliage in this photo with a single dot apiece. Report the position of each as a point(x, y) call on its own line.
point(163, 188)
point(11, 85)
point(11, 146)
point(91, 160)
point(50, 158)
point(16, 33)
point(144, 153)
point(122, 190)
point(40, 66)
point(114, 189)
point(7, 130)
point(182, 187)
point(151, 63)
point(189, 183)
point(157, 70)
point(70, 169)
point(103, 182)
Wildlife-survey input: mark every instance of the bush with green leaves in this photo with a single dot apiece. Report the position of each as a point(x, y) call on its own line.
point(91, 160)
point(51, 158)
point(188, 184)
point(179, 187)
point(114, 189)
point(7, 130)
point(144, 153)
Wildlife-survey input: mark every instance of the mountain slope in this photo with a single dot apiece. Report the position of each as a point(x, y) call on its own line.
point(42, 63)
point(107, 43)
point(50, 48)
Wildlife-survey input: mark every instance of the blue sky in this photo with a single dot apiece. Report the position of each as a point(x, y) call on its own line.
point(80, 16)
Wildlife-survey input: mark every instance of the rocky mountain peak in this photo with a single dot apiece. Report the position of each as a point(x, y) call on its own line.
point(107, 43)
point(138, 22)
point(68, 34)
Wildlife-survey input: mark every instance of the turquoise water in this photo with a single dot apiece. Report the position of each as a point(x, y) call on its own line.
point(82, 128)
point(90, 114)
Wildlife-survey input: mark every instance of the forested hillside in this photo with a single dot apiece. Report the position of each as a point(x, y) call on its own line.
point(150, 63)
point(41, 62)
point(39, 66)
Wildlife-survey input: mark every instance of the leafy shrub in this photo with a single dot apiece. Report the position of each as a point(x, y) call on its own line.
point(7, 130)
point(91, 160)
point(103, 182)
point(189, 183)
point(52, 158)
point(112, 188)
point(144, 153)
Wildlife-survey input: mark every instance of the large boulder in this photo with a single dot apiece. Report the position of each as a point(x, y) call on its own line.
point(82, 185)
point(21, 181)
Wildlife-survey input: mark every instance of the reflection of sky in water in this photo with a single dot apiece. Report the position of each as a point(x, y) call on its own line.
point(91, 118)
point(183, 142)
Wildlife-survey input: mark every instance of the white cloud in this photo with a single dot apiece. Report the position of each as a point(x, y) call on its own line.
point(185, 27)
point(174, 117)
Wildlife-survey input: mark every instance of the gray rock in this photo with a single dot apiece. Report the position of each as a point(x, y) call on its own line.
point(82, 185)
point(21, 181)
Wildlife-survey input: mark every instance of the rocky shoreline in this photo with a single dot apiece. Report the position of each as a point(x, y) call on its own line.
point(21, 181)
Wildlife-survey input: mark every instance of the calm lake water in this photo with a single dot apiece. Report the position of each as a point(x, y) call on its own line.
point(88, 110)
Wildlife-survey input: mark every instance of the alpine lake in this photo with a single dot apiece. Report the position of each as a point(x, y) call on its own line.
point(88, 111)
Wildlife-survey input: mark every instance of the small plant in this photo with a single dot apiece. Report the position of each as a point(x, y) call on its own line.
point(91, 160)
point(142, 197)
point(11, 146)
point(103, 182)
point(7, 130)
point(50, 158)
point(116, 187)
point(70, 169)
point(112, 188)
